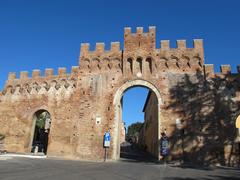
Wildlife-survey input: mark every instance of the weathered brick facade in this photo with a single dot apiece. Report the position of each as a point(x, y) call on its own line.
point(148, 139)
point(206, 103)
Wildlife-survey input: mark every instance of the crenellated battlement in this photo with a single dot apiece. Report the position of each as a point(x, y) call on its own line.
point(139, 57)
point(100, 59)
point(99, 50)
point(39, 85)
point(182, 45)
point(140, 40)
point(224, 70)
point(140, 54)
point(142, 45)
point(36, 75)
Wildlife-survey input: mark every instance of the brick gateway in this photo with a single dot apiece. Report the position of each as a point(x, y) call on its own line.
point(86, 103)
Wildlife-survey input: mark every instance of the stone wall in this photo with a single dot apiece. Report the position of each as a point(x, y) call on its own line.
point(123, 133)
point(206, 103)
point(150, 127)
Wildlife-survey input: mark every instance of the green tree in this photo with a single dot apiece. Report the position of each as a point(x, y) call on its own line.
point(40, 122)
point(134, 130)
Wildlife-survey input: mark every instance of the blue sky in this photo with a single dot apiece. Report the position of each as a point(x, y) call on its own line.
point(48, 33)
point(133, 103)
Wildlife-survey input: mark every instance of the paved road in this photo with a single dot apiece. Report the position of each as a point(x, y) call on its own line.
point(52, 169)
point(134, 165)
point(133, 153)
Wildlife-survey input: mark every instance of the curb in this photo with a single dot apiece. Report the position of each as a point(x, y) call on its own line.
point(23, 155)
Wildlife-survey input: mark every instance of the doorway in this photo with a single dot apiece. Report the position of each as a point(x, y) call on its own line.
point(42, 123)
point(149, 134)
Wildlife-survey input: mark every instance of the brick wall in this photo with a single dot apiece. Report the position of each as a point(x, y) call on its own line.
point(206, 102)
point(150, 136)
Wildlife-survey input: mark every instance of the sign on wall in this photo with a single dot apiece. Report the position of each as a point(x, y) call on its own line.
point(98, 120)
point(107, 139)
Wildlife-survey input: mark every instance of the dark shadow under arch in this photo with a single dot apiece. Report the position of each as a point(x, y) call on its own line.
point(40, 136)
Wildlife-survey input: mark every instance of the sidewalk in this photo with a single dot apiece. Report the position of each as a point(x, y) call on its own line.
point(27, 155)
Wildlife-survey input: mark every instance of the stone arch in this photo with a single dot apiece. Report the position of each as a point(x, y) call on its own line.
point(195, 62)
point(115, 64)
point(174, 62)
point(72, 82)
point(117, 110)
point(35, 87)
point(18, 89)
point(45, 85)
point(46, 129)
point(162, 63)
point(54, 84)
point(85, 64)
point(95, 64)
point(185, 62)
point(106, 64)
point(9, 90)
point(63, 83)
point(26, 88)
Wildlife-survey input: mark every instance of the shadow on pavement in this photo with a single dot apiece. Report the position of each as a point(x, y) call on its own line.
point(131, 153)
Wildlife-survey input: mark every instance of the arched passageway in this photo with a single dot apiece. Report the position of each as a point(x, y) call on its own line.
point(41, 125)
point(150, 132)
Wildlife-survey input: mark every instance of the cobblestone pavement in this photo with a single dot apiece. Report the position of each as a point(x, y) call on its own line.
point(35, 169)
